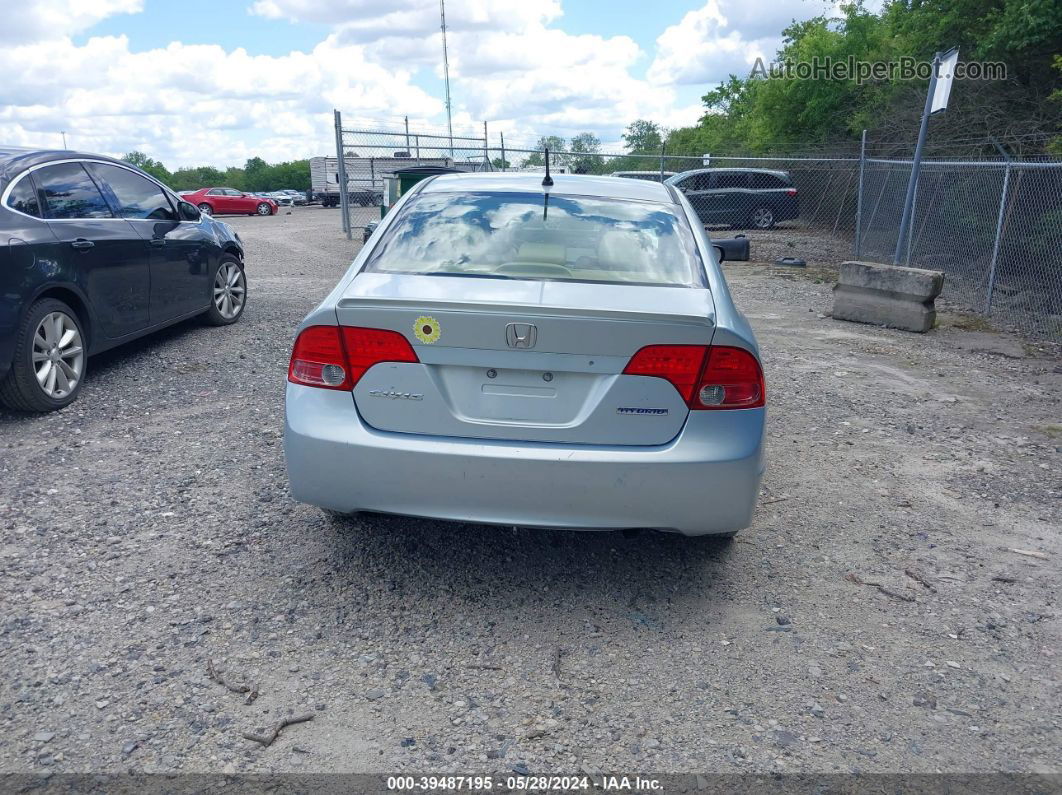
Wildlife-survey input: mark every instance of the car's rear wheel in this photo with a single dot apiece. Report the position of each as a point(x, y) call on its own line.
point(263, 209)
point(206, 209)
point(50, 359)
point(762, 218)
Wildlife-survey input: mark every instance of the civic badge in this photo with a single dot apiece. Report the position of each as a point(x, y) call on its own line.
point(521, 335)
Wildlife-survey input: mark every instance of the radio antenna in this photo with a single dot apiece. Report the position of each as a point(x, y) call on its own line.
point(547, 181)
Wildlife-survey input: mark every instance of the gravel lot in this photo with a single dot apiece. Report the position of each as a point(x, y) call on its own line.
point(872, 619)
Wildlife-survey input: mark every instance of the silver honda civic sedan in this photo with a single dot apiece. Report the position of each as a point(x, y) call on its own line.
point(510, 352)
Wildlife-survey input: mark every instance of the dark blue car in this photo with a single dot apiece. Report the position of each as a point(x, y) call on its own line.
point(95, 253)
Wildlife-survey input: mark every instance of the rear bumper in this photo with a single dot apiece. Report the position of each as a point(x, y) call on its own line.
point(788, 210)
point(704, 481)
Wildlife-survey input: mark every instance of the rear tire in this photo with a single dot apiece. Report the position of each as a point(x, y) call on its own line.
point(40, 351)
point(762, 218)
point(230, 285)
point(206, 209)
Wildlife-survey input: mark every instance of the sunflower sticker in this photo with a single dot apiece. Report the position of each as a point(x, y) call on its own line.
point(427, 329)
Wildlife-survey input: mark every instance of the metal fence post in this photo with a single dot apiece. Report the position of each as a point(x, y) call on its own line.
point(486, 154)
point(914, 212)
point(999, 235)
point(905, 219)
point(859, 198)
point(505, 165)
point(662, 145)
point(407, 134)
point(341, 174)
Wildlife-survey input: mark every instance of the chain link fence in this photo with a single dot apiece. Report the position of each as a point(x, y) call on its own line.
point(994, 227)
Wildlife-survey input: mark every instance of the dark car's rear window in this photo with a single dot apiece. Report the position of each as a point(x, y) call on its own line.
point(522, 236)
point(23, 197)
point(768, 181)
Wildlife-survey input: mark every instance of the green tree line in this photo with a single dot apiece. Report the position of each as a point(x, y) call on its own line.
point(256, 175)
point(757, 115)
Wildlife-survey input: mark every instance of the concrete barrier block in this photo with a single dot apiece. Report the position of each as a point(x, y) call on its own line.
point(887, 295)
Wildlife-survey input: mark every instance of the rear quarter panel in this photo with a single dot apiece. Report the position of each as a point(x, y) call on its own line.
point(732, 328)
point(29, 262)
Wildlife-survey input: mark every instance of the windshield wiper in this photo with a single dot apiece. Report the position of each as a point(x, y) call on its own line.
point(467, 275)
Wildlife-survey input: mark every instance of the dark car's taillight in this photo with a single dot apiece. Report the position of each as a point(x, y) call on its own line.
point(707, 377)
point(336, 357)
point(791, 192)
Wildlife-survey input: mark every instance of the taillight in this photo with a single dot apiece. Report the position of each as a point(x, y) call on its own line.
point(706, 377)
point(679, 364)
point(336, 357)
point(318, 359)
point(732, 379)
point(791, 192)
point(369, 346)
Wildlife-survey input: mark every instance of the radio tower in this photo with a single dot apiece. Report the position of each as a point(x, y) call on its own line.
point(446, 75)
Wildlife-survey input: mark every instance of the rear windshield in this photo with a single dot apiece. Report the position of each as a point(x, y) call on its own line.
point(523, 236)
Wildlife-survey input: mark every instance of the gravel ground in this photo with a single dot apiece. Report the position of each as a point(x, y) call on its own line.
point(874, 618)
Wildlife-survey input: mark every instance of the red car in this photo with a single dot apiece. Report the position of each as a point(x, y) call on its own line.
point(220, 201)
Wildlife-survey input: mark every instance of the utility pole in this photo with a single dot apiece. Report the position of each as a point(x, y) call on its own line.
point(446, 76)
point(63, 133)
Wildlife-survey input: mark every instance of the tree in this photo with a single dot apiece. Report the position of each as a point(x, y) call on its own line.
point(585, 147)
point(642, 136)
point(197, 177)
point(757, 114)
point(1055, 146)
point(257, 175)
point(500, 164)
point(552, 142)
point(148, 165)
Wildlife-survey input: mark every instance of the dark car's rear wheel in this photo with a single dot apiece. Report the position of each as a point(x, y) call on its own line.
point(206, 209)
point(762, 218)
point(264, 209)
point(50, 359)
point(229, 295)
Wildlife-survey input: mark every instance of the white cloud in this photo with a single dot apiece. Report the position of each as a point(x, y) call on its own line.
point(369, 20)
point(34, 20)
point(511, 63)
point(192, 104)
point(725, 37)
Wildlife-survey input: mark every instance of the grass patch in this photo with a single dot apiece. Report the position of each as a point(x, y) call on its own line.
point(964, 321)
point(1052, 431)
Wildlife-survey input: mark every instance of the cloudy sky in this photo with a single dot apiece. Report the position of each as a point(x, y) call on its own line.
point(218, 81)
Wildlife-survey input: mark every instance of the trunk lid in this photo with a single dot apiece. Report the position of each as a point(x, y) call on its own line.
point(534, 361)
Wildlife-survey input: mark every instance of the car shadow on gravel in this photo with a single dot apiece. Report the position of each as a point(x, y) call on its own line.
point(123, 355)
point(430, 559)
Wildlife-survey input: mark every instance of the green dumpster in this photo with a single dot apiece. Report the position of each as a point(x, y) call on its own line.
point(397, 183)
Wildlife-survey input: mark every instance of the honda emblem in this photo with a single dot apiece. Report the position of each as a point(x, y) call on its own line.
point(521, 335)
